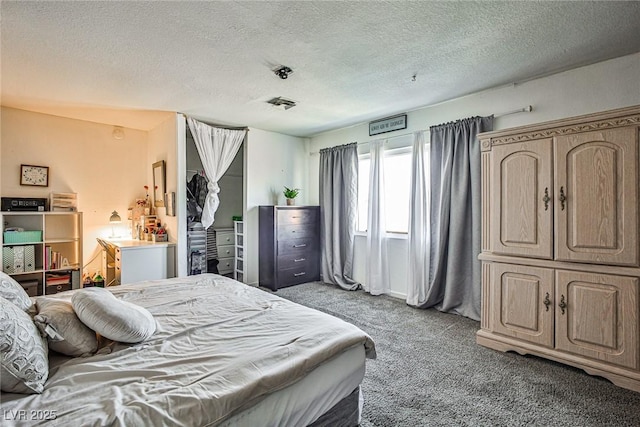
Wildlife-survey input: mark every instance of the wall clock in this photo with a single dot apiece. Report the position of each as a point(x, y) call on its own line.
point(34, 175)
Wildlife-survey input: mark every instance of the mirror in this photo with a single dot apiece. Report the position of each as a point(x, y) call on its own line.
point(159, 184)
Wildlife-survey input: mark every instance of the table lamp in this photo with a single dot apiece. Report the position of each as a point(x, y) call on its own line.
point(114, 219)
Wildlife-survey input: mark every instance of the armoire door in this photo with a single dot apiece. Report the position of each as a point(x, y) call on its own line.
point(596, 316)
point(522, 199)
point(522, 302)
point(596, 189)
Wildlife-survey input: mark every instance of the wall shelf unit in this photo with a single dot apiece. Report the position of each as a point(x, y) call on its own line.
point(46, 257)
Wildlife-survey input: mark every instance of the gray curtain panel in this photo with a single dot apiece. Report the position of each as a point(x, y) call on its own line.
point(454, 277)
point(338, 207)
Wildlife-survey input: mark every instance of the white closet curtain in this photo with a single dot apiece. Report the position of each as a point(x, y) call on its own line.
point(377, 270)
point(217, 148)
point(419, 223)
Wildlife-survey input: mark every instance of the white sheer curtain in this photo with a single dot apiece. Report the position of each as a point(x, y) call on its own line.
point(377, 269)
point(217, 148)
point(419, 223)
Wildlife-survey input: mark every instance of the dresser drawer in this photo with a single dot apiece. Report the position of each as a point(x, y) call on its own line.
point(296, 231)
point(226, 251)
point(299, 260)
point(297, 216)
point(225, 265)
point(296, 246)
point(225, 238)
point(295, 276)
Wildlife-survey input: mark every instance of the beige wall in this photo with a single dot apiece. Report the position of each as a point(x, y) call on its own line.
point(162, 146)
point(84, 158)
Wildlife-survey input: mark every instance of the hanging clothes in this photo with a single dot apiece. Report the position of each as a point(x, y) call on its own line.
point(198, 188)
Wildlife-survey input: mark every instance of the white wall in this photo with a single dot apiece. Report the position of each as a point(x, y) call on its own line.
point(272, 161)
point(84, 158)
point(603, 86)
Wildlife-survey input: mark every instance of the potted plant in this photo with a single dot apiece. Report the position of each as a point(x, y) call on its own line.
point(290, 194)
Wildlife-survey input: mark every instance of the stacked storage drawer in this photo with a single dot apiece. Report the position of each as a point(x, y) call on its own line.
point(289, 245)
point(225, 242)
point(197, 241)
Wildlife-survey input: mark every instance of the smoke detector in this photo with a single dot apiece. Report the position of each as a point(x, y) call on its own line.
point(283, 103)
point(283, 72)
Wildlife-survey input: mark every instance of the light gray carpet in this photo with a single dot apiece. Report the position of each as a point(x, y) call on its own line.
point(430, 372)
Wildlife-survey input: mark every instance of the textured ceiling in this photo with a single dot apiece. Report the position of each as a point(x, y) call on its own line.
point(352, 61)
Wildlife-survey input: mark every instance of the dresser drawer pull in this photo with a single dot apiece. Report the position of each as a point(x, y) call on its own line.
point(302, 245)
point(299, 274)
point(299, 260)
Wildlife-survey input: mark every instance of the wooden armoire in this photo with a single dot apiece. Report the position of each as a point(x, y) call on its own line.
point(561, 244)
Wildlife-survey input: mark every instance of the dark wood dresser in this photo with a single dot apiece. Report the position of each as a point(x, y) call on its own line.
point(289, 245)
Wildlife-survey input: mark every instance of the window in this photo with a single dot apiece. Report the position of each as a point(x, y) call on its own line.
point(397, 188)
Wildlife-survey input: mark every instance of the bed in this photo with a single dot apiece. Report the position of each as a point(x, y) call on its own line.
point(223, 353)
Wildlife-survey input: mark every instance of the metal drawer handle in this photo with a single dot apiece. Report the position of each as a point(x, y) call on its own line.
point(547, 301)
point(299, 274)
point(299, 260)
point(300, 246)
point(562, 304)
point(563, 198)
point(546, 199)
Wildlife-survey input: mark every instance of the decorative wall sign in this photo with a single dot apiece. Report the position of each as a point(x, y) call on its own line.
point(388, 125)
point(34, 175)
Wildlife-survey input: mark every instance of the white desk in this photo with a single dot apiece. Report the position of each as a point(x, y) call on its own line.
point(137, 260)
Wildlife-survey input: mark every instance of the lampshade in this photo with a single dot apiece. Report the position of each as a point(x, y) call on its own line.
point(115, 218)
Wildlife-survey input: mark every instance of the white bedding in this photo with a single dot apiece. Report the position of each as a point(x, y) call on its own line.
point(220, 348)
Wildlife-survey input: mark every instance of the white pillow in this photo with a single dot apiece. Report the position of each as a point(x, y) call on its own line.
point(65, 333)
point(112, 318)
point(23, 352)
point(13, 292)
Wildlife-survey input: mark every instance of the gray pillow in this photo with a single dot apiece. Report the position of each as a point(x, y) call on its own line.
point(24, 361)
point(112, 318)
point(13, 292)
point(65, 333)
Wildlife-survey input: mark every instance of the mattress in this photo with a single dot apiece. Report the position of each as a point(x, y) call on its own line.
point(224, 353)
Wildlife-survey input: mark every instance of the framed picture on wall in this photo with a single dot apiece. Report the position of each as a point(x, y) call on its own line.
point(34, 175)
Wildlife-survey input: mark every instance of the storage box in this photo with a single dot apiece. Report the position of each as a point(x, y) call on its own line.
point(13, 259)
point(31, 287)
point(54, 289)
point(29, 261)
point(160, 237)
point(22, 236)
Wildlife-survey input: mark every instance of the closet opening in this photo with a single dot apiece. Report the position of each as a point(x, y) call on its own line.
point(213, 250)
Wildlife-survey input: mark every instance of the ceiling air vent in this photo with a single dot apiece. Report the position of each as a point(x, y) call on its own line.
point(282, 103)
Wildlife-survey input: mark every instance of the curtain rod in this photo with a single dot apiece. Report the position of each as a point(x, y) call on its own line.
point(526, 109)
point(218, 126)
